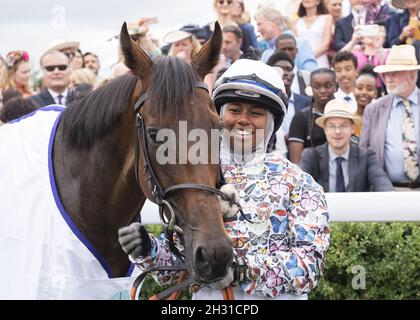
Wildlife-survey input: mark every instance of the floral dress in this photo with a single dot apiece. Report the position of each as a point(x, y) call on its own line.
point(285, 240)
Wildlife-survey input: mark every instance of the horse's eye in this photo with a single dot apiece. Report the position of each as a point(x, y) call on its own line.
point(152, 133)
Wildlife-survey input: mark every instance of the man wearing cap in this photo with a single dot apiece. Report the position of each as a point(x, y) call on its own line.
point(391, 124)
point(337, 165)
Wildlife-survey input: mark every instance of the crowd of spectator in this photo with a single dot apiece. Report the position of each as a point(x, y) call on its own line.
point(351, 78)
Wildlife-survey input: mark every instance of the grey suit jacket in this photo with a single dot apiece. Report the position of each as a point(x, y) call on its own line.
point(365, 174)
point(375, 121)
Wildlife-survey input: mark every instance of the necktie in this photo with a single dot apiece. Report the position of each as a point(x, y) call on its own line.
point(411, 166)
point(59, 98)
point(347, 98)
point(339, 176)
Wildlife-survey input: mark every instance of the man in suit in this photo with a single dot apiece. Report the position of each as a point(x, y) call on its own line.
point(297, 102)
point(55, 66)
point(339, 166)
point(391, 124)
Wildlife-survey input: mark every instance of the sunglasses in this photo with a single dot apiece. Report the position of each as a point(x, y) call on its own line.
point(221, 2)
point(60, 67)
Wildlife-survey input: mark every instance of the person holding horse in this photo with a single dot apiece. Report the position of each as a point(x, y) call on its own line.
point(281, 234)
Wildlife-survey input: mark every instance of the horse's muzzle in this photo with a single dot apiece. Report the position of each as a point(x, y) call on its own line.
point(212, 262)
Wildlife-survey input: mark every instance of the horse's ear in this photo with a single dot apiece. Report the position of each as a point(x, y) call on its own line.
point(135, 58)
point(208, 57)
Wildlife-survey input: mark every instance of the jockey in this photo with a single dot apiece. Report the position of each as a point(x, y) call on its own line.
point(281, 235)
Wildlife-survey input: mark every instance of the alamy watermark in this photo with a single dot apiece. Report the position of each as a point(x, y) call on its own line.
point(359, 280)
point(198, 146)
point(58, 20)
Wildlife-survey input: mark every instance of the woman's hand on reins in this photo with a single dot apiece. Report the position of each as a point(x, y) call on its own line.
point(135, 240)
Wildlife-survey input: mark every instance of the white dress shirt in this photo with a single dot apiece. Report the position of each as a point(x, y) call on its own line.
point(55, 95)
point(340, 94)
point(332, 167)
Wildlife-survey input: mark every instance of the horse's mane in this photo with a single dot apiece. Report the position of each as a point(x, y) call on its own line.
point(171, 86)
point(88, 119)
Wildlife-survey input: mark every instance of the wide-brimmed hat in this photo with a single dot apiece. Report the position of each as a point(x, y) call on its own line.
point(399, 4)
point(65, 45)
point(176, 35)
point(401, 58)
point(337, 108)
point(199, 32)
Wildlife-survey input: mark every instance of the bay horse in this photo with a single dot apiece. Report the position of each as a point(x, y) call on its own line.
point(99, 159)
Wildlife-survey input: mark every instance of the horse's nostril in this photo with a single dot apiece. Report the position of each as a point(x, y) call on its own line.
point(202, 262)
point(211, 263)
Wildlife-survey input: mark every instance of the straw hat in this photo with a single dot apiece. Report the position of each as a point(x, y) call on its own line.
point(399, 4)
point(74, 45)
point(337, 108)
point(176, 35)
point(401, 58)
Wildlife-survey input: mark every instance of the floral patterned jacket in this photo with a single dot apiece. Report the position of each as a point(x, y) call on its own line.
point(285, 245)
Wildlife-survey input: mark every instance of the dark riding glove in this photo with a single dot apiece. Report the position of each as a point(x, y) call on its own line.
point(135, 240)
point(230, 204)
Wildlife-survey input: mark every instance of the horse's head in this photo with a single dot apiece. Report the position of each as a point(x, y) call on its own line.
point(178, 138)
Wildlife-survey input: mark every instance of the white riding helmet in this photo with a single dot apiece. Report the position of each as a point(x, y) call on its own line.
point(252, 82)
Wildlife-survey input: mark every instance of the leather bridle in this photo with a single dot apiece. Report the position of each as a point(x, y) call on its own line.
point(160, 195)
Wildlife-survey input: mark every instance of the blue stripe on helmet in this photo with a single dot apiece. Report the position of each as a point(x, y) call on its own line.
point(253, 82)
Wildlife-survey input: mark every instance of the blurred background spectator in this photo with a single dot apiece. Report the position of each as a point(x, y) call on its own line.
point(404, 26)
point(15, 108)
point(77, 62)
point(315, 24)
point(83, 75)
point(183, 45)
point(18, 72)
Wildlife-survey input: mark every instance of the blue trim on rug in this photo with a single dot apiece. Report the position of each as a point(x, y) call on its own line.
point(47, 108)
point(63, 211)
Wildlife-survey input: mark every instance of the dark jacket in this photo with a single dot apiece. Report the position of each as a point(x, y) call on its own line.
point(249, 39)
point(43, 99)
point(343, 32)
point(300, 101)
point(397, 23)
point(365, 173)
